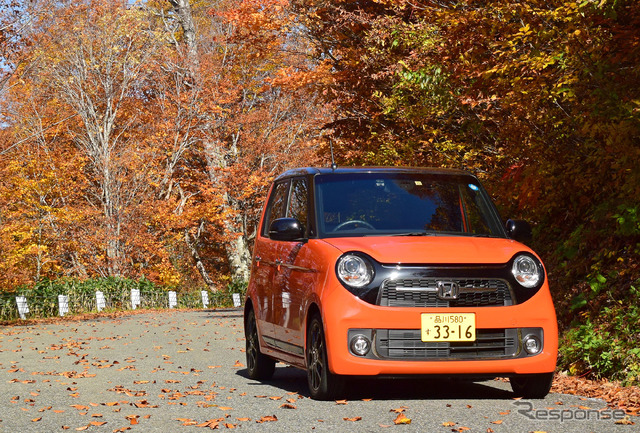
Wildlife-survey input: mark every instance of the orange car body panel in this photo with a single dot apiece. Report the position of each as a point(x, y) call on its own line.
point(310, 280)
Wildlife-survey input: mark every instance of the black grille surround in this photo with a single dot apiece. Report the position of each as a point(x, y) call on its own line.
point(423, 292)
point(480, 284)
point(406, 344)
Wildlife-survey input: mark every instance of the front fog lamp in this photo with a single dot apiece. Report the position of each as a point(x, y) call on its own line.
point(354, 271)
point(360, 345)
point(532, 344)
point(526, 271)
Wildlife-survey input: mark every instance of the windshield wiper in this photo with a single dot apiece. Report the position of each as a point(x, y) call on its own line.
point(415, 234)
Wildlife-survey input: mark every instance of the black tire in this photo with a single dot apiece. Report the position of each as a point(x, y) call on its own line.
point(323, 385)
point(532, 385)
point(259, 366)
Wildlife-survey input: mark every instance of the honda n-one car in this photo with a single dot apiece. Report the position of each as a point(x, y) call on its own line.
point(394, 272)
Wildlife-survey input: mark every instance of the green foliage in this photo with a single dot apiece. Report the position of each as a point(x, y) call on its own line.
point(605, 345)
point(628, 220)
point(42, 298)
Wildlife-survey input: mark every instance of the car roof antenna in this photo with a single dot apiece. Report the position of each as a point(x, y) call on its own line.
point(333, 161)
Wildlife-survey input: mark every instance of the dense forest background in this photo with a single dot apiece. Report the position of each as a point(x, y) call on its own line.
point(138, 139)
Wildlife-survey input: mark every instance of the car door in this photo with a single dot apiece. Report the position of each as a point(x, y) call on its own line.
point(290, 275)
point(265, 262)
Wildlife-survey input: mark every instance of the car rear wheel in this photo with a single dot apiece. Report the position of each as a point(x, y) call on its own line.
point(323, 385)
point(259, 366)
point(532, 385)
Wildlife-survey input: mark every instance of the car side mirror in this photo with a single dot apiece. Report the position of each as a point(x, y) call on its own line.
point(286, 229)
point(519, 230)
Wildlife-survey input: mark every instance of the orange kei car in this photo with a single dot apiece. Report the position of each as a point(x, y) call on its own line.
point(394, 272)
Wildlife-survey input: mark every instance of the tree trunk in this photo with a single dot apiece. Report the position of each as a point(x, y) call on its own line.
point(198, 261)
point(185, 18)
point(239, 256)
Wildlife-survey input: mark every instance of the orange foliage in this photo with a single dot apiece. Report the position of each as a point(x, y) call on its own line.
point(125, 155)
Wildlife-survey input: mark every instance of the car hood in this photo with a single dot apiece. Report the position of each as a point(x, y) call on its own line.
point(432, 249)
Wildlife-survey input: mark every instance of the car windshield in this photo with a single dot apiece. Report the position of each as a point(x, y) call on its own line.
point(403, 204)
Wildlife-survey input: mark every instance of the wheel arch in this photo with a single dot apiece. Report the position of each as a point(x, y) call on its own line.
point(248, 306)
point(313, 310)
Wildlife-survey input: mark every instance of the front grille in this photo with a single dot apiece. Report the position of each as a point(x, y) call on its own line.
point(423, 292)
point(406, 344)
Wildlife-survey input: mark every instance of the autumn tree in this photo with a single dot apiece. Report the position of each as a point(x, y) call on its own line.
point(81, 97)
point(536, 97)
point(248, 120)
point(142, 142)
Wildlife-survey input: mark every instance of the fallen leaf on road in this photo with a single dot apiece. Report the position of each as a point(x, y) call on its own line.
point(267, 418)
point(625, 421)
point(401, 419)
point(356, 418)
point(133, 419)
point(212, 424)
point(400, 409)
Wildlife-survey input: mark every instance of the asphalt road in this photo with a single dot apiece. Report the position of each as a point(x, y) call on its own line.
point(185, 370)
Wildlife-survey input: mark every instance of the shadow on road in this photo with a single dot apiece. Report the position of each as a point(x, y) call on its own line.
point(224, 313)
point(291, 379)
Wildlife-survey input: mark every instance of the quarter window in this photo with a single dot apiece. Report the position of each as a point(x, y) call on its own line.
point(277, 205)
point(298, 206)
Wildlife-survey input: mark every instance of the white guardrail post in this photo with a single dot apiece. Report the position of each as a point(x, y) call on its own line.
point(135, 298)
point(173, 299)
point(23, 308)
point(63, 305)
point(101, 303)
point(236, 300)
point(205, 298)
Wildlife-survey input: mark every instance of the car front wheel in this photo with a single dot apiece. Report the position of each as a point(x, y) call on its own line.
point(532, 385)
point(259, 366)
point(323, 385)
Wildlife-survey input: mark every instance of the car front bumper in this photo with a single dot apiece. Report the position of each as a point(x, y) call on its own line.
point(396, 348)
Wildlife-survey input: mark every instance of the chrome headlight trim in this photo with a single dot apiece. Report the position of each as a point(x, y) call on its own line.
point(354, 270)
point(527, 271)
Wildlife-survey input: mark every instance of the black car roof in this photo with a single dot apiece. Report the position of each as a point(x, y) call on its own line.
point(347, 170)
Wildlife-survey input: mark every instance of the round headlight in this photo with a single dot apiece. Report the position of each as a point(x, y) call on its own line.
point(354, 271)
point(526, 271)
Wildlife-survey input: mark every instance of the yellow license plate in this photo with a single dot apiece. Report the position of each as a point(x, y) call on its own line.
point(448, 327)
